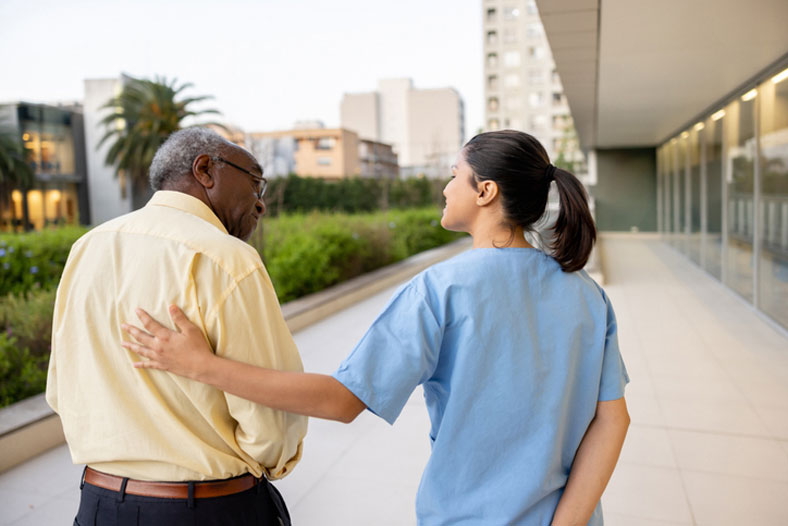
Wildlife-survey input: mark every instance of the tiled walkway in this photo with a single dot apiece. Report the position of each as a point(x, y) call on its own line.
point(708, 444)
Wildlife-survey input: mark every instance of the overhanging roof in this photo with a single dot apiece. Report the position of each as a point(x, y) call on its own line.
point(634, 71)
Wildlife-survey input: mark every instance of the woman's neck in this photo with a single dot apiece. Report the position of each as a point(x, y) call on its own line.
point(499, 236)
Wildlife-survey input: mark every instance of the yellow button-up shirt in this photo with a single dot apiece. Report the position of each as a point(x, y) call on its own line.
point(148, 424)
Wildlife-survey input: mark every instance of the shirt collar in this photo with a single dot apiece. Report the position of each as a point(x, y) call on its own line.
point(186, 203)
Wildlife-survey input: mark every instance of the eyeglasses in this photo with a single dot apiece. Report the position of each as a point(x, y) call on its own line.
point(262, 182)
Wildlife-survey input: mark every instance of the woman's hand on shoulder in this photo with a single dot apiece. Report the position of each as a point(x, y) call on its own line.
point(184, 352)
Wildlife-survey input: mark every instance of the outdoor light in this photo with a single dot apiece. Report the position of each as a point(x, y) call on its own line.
point(717, 116)
point(749, 95)
point(684, 135)
point(780, 76)
point(25, 137)
point(699, 126)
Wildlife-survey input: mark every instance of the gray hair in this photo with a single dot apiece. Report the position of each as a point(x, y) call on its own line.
point(175, 157)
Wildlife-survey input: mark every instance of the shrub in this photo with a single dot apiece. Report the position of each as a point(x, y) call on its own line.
point(305, 253)
point(21, 374)
point(28, 319)
point(36, 259)
point(351, 195)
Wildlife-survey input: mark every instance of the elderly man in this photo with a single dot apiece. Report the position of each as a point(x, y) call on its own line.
point(159, 449)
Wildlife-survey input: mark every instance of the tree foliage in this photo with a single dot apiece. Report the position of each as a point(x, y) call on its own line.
point(141, 118)
point(15, 169)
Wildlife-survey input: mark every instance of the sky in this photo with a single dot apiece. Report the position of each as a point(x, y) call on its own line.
point(266, 63)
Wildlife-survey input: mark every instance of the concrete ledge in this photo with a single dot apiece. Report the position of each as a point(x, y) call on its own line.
point(30, 427)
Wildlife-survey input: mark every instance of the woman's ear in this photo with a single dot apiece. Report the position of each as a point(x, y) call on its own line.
point(201, 172)
point(488, 191)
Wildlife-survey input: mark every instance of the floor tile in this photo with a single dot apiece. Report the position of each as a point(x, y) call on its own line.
point(16, 504)
point(730, 455)
point(647, 492)
point(647, 445)
point(53, 511)
point(699, 415)
point(644, 410)
point(617, 519)
point(775, 420)
point(723, 500)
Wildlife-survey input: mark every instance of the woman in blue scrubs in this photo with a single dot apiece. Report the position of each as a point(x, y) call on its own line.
point(516, 349)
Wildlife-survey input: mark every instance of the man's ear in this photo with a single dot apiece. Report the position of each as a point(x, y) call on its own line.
point(488, 191)
point(201, 170)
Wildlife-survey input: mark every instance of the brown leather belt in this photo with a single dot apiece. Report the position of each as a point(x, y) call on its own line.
point(172, 490)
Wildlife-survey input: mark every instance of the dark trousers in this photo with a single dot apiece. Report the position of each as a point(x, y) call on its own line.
point(258, 506)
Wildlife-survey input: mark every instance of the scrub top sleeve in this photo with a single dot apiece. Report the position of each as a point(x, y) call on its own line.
point(614, 373)
point(398, 352)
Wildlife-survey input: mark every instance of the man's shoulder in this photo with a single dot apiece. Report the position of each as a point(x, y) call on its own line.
point(188, 232)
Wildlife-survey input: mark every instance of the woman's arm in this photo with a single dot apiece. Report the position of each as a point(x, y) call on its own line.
point(593, 465)
point(186, 353)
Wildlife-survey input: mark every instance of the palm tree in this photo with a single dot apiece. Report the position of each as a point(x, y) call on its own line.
point(141, 118)
point(15, 169)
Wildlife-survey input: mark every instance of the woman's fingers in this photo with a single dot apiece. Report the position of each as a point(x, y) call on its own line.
point(150, 354)
point(138, 334)
point(180, 320)
point(151, 325)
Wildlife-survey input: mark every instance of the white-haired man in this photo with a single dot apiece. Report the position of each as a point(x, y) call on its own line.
point(159, 449)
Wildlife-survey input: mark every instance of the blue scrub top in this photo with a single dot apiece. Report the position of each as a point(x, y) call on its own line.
point(513, 354)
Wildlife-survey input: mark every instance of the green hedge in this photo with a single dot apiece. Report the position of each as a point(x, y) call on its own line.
point(35, 260)
point(351, 195)
point(305, 253)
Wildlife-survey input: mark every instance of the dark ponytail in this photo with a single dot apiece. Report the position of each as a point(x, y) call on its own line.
point(574, 229)
point(519, 165)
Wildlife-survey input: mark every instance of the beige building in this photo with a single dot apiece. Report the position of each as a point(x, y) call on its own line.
point(424, 126)
point(521, 84)
point(328, 153)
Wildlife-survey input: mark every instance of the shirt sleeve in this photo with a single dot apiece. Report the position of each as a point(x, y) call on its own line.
point(248, 326)
point(399, 351)
point(614, 372)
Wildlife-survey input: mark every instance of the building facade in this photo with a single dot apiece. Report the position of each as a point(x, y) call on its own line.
point(109, 196)
point(328, 153)
point(424, 126)
point(522, 87)
point(53, 137)
point(688, 139)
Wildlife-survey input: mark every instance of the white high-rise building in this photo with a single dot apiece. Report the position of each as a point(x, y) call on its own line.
point(424, 126)
point(521, 85)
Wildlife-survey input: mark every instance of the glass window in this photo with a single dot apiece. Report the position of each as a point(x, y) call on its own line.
point(535, 77)
point(773, 278)
point(509, 35)
point(493, 124)
point(324, 161)
point(510, 13)
point(533, 30)
point(679, 191)
point(492, 104)
point(492, 82)
point(667, 192)
point(693, 197)
point(511, 59)
point(535, 99)
point(514, 103)
point(712, 247)
point(491, 14)
point(492, 60)
point(492, 38)
point(740, 157)
point(512, 80)
point(326, 143)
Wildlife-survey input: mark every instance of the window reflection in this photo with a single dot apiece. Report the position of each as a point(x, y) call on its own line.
point(773, 209)
point(740, 158)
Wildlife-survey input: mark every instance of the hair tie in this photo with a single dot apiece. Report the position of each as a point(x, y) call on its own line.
point(550, 172)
